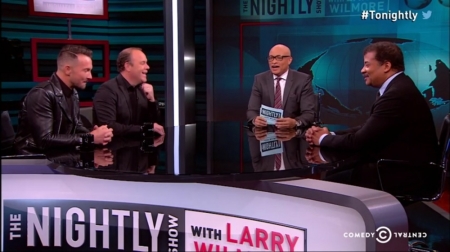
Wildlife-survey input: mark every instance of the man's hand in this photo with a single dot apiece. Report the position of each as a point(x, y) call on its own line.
point(285, 135)
point(148, 91)
point(310, 132)
point(260, 133)
point(286, 123)
point(313, 156)
point(102, 135)
point(314, 133)
point(158, 129)
point(151, 170)
point(103, 157)
point(158, 141)
point(260, 122)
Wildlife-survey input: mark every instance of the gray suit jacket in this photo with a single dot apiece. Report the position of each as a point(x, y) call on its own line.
point(293, 154)
point(298, 96)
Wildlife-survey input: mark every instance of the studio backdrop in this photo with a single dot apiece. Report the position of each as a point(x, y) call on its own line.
point(327, 39)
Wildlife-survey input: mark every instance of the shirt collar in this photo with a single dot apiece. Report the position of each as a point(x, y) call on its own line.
point(64, 88)
point(283, 76)
point(125, 83)
point(386, 83)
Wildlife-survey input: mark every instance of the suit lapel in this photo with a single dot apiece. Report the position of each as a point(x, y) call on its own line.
point(125, 95)
point(286, 162)
point(269, 163)
point(271, 88)
point(287, 87)
point(387, 89)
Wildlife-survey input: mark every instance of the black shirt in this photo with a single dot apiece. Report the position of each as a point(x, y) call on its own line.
point(123, 107)
point(67, 92)
point(134, 100)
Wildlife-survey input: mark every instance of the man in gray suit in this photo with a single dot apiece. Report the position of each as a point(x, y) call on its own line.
point(283, 88)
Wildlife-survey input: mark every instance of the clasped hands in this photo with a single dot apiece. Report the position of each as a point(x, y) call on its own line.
point(103, 157)
point(102, 135)
point(314, 133)
point(282, 123)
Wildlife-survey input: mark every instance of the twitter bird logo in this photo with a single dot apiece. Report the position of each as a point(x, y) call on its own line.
point(426, 15)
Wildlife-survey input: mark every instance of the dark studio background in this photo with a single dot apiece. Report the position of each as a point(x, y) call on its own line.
point(138, 23)
point(327, 45)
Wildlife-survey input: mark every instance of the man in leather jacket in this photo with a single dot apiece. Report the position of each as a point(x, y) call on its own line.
point(50, 115)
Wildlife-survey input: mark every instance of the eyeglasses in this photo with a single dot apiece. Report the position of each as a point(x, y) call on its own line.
point(278, 57)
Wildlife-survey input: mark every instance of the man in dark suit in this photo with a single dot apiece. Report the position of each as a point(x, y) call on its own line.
point(126, 102)
point(282, 88)
point(50, 115)
point(399, 120)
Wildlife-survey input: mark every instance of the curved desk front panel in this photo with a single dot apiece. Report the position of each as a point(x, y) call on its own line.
point(47, 212)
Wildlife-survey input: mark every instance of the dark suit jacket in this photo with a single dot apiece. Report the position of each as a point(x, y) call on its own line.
point(293, 154)
point(298, 96)
point(400, 120)
point(112, 107)
point(45, 120)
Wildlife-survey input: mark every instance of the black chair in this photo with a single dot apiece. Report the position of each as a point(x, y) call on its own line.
point(8, 134)
point(443, 140)
point(87, 117)
point(424, 181)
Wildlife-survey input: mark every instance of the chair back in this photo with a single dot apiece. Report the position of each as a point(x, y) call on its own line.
point(444, 141)
point(410, 181)
point(8, 133)
point(87, 117)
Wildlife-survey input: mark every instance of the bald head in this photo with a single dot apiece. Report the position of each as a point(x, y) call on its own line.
point(279, 59)
point(280, 48)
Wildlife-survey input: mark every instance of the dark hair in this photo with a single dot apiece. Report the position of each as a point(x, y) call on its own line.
point(387, 51)
point(71, 51)
point(124, 57)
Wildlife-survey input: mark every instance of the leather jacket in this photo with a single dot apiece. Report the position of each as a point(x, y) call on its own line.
point(45, 121)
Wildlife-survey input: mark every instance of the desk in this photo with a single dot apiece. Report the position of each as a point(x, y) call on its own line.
point(220, 194)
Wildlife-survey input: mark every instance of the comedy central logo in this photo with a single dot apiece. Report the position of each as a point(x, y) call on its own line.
point(384, 234)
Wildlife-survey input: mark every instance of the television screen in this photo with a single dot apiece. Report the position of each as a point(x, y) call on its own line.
point(92, 9)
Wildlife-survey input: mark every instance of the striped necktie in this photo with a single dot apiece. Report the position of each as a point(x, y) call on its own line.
point(278, 104)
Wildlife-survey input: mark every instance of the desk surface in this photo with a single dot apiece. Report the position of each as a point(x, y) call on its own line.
point(212, 154)
point(222, 148)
